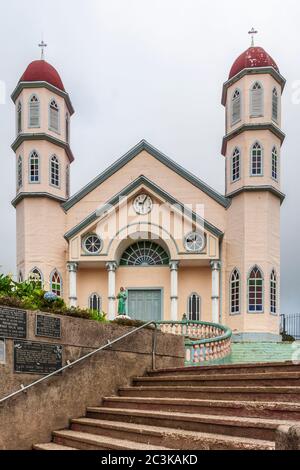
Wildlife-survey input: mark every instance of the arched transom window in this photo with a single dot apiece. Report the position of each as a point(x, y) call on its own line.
point(54, 116)
point(257, 100)
point(236, 165)
point(194, 307)
point(236, 107)
point(144, 253)
point(273, 292)
point(256, 160)
point(95, 302)
point(54, 171)
point(255, 291)
point(235, 292)
point(56, 283)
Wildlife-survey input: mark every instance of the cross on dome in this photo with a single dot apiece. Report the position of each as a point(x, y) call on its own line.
point(43, 45)
point(252, 32)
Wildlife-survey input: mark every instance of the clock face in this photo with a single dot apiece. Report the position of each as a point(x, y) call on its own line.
point(142, 204)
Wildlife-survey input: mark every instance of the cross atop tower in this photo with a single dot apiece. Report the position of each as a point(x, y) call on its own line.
point(252, 32)
point(43, 45)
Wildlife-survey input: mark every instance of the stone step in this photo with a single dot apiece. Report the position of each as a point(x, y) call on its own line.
point(228, 369)
point(254, 428)
point(281, 410)
point(245, 393)
point(52, 446)
point(162, 436)
point(87, 441)
point(261, 379)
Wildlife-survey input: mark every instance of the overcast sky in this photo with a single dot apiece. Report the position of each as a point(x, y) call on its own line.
point(151, 69)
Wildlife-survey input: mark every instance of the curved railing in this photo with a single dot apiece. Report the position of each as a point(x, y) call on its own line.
point(204, 342)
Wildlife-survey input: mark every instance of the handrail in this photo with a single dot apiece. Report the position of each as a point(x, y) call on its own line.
point(69, 364)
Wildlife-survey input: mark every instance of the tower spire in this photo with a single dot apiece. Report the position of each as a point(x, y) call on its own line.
point(43, 45)
point(252, 32)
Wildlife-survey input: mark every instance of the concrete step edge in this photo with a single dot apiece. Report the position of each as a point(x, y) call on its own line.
point(221, 377)
point(52, 446)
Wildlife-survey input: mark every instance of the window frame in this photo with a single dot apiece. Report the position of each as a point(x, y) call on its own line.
point(256, 312)
point(19, 117)
point(262, 160)
point(234, 122)
point(274, 293)
point(20, 172)
point(275, 178)
point(55, 271)
point(231, 281)
point(39, 272)
point(275, 119)
point(30, 126)
point(29, 167)
point(236, 149)
point(262, 110)
point(199, 299)
point(99, 301)
point(50, 110)
point(58, 185)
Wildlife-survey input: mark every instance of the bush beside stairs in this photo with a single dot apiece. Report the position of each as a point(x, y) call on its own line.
point(228, 407)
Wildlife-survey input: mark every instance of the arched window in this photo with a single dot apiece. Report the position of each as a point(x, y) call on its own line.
point(54, 116)
point(274, 163)
point(67, 128)
point(255, 291)
point(235, 165)
point(56, 283)
point(235, 293)
point(256, 160)
point(54, 171)
point(194, 307)
point(257, 100)
point(236, 107)
point(34, 111)
point(19, 172)
point(36, 276)
point(34, 167)
point(68, 180)
point(19, 117)
point(273, 292)
point(145, 253)
point(95, 302)
point(275, 105)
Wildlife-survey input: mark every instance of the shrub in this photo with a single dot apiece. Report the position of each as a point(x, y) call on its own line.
point(287, 338)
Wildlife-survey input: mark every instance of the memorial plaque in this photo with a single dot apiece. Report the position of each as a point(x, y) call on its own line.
point(47, 326)
point(13, 323)
point(2, 351)
point(37, 358)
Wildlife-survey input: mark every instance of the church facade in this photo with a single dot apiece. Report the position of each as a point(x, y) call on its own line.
point(147, 224)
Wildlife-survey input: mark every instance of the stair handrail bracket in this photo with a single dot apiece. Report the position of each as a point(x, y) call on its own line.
point(69, 365)
point(205, 342)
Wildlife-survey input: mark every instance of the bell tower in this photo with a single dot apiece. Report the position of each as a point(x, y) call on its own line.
point(43, 158)
point(252, 151)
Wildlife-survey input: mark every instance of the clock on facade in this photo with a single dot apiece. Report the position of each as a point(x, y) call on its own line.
point(142, 204)
point(194, 242)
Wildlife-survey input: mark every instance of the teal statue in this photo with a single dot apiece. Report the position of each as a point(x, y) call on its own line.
point(122, 297)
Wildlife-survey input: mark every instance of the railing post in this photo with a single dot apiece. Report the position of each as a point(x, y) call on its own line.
point(154, 341)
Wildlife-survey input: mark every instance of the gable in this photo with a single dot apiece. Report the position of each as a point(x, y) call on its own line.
point(143, 145)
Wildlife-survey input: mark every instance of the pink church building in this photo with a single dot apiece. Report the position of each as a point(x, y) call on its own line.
point(146, 223)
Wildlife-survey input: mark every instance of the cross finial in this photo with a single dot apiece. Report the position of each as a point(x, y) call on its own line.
point(252, 32)
point(43, 45)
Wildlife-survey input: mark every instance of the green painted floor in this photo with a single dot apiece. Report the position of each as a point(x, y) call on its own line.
point(263, 352)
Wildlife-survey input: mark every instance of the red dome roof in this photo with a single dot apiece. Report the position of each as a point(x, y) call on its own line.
point(41, 71)
point(251, 58)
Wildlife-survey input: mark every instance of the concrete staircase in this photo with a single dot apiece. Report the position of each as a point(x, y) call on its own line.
point(229, 407)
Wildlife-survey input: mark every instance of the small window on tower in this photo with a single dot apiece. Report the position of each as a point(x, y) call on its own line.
point(19, 173)
point(235, 165)
point(19, 117)
point(54, 171)
point(67, 128)
point(273, 292)
point(274, 164)
point(257, 100)
point(68, 180)
point(275, 105)
point(54, 116)
point(236, 107)
point(34, 112)
point(255, 291)
point(256, 160)
point(235, 293)
point(34, 168)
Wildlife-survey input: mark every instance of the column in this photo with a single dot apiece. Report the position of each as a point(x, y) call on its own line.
point(111, 269)
point(215, 291)
point(174, 289)
point(72, 268)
